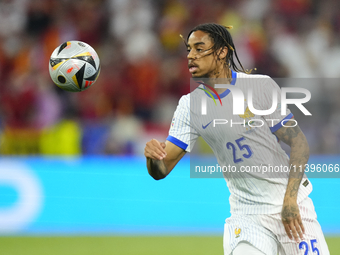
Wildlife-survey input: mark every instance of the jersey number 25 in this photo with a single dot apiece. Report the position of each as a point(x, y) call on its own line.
point(241, 147)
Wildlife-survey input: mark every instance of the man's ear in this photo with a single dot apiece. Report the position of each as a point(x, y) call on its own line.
point(222, 54)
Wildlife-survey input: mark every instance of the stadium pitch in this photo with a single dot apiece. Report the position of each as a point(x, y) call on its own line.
point(105, 245)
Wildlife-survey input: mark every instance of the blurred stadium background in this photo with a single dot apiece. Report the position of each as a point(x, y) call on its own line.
point(72, 174)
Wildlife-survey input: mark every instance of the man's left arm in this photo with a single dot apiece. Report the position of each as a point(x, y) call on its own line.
point(293, 136)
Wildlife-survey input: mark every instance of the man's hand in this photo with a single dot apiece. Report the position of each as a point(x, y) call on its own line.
point(155, 150)
point(291, 220)
point(161, 157)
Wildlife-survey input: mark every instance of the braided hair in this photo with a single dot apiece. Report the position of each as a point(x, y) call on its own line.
point(221, 38)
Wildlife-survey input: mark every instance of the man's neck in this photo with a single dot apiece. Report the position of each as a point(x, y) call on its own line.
point(224, 75)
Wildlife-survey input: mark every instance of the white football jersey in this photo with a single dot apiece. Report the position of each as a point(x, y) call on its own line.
point(244, 142)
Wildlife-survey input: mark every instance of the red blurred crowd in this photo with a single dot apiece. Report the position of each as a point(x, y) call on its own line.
point(144, 67)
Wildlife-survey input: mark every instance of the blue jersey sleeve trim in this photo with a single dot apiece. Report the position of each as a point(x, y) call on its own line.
point(177, 142)
point(279, 125)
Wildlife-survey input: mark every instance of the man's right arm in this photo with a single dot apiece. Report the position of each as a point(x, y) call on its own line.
point(162, 157)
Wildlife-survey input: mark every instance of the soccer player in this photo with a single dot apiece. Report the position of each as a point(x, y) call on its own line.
point(270, 214)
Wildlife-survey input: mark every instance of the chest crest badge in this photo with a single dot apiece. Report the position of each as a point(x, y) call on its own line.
point(247, 117)
point(237, 232)
point(247, 114)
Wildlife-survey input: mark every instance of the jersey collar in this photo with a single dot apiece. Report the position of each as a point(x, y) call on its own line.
point(225, 93)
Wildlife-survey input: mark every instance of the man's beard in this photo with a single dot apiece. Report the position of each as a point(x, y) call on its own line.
point(207, 75)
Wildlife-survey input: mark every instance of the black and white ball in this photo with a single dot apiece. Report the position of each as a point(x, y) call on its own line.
point(74, 66)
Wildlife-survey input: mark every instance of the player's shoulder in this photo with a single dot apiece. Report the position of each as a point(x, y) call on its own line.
point(184, 101)
point(252, 76)
point(192, 96)
point(251, 80)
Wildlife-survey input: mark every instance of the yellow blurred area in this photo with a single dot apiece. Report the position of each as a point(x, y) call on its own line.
point(175, 15)
point(63, 138)
point(203, 147)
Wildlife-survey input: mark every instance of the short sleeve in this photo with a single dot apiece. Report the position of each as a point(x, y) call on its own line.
point(275, 120)
point(181, 133)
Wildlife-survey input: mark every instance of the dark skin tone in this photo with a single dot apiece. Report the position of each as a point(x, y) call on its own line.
point(299, 155)
point(163, 157)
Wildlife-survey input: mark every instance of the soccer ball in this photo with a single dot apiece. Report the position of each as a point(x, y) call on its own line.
point(74, 66)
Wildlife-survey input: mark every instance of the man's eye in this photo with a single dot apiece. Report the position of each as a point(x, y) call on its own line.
point(188, 50)
point(199, 50)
